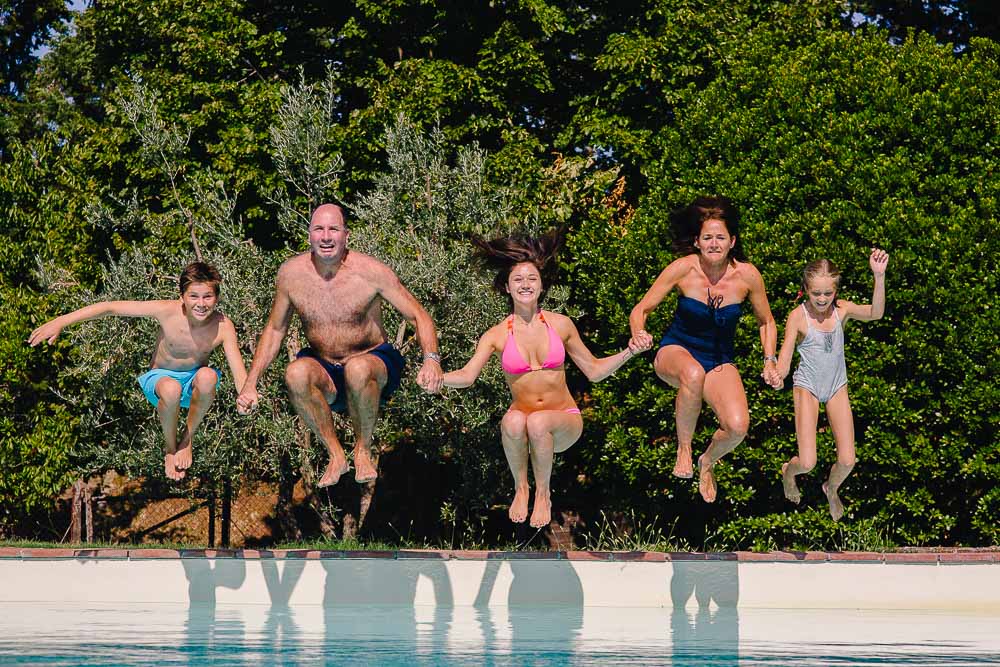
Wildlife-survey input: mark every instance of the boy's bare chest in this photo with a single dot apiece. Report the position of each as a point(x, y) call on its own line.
point(182, 341)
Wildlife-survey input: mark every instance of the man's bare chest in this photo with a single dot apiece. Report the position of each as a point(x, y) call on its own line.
point(344, 300)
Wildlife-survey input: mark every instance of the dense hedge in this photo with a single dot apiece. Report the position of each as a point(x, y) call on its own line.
point(829, 148)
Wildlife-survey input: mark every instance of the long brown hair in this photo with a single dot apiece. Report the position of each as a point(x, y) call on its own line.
point(503, 254)
point(820, 267)
point(687, 222)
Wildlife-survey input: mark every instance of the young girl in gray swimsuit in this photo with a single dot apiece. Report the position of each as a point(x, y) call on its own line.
point(818, 328)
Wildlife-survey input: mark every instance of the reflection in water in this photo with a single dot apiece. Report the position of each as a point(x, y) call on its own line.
point(704, 622)
point(228, 635)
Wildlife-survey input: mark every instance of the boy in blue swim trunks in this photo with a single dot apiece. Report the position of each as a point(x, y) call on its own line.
point(190, 328)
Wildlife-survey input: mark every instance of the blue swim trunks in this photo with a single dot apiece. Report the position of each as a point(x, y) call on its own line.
point(390, 356)
point(149, 379)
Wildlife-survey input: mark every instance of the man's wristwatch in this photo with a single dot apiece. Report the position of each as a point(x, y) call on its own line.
point(433, 356)
point(771, 357)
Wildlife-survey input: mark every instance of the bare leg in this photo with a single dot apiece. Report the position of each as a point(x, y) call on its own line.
point(365, 376)
point(838, 411)
point(514, 436)
point(167, 408)
point(675, 366)
point(724, 392)
point(201, 399)
point(311, 391)
point(806, 418)
point(549, 431)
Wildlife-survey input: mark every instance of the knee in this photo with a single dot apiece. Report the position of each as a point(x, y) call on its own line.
point(692, 378)
point(537, 426)
point(807, 462)
point(846, 461)
point(358, 374)
point(169, 391)
point(514, 425)
point(737, 426)
point(205, 380)
point(298, 377)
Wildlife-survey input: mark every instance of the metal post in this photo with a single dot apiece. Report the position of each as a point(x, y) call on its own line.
point(227, 507)
point(211, 519)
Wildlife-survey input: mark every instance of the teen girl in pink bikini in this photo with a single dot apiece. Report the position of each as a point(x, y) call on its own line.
point(532, 345)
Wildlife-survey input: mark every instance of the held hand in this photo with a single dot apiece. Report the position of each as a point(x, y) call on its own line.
point(642, 339)
point(771, 375)
point(46, 332)
point(430, 376)
point(248, 399)
point(878, 260)
point(634, 347)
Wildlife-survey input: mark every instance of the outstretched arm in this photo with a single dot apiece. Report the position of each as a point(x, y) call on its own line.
point(468, 374)
point(267, 347)
point(393, 291)
point(665, 282)
point(879, 261)
point(51, 329)
point(595, 369)
point(231, 348)
point(768, 329)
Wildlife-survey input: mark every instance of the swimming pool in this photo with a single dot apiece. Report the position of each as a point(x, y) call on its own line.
point(206, 634)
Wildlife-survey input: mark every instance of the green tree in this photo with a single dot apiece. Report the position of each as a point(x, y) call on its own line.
point(832, 147)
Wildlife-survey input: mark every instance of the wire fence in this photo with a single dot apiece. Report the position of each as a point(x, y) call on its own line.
point(117, 509)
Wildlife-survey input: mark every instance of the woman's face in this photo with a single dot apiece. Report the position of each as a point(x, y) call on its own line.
point(714, 242)
point(525, 283)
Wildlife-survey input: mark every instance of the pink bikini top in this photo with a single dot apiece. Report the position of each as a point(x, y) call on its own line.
point(512, 361)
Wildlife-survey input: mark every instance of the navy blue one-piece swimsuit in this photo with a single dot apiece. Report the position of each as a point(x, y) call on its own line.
point(704, 331)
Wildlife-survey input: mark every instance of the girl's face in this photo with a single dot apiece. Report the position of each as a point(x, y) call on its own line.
point(524, 284)
point(822, 292)
point(714, 242)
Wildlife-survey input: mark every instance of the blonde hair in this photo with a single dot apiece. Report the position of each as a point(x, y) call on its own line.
point(820, 267)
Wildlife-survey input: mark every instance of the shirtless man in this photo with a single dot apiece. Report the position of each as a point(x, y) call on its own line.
point(179, 377)
point(349, 365)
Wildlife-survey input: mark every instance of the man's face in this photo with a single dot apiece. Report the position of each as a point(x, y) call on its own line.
point(328, 235)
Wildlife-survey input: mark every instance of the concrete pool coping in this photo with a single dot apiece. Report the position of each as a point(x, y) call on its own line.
point(952, 579)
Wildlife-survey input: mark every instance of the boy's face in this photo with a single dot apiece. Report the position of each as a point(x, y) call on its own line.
point(199, 300)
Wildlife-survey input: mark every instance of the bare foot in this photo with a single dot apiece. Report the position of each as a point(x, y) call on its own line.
point(518, 511)
point(791, 488)
point(684, 468)
point(541, 516)
point(364, 470)
point(706, 480)
point(182, 458)
point(170, 467)
point(836, 507)
point(334, 469)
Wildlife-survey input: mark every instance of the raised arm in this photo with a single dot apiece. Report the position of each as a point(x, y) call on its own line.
point(595, 369)
point(51, 329)
point(231, 348)
point(665, 282)
point(878, 261)
point(468, 374)
point(765, 321)
point(268, 345)
point(793, 329)
point(393, 291)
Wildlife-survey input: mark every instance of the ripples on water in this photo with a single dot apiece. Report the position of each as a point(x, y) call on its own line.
point(134, 635)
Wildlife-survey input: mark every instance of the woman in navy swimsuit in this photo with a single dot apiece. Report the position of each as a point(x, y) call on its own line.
point(696, 354)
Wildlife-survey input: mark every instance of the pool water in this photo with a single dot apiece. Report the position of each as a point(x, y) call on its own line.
point(206, 634)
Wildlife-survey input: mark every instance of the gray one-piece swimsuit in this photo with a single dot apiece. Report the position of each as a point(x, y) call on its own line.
point(822, 367)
